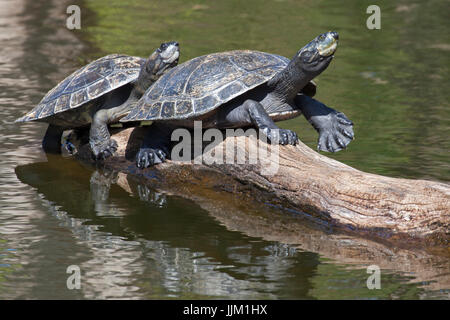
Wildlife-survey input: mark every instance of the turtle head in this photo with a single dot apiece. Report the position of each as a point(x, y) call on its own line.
point(164, 58)
point(317, 55)
point(161, 60)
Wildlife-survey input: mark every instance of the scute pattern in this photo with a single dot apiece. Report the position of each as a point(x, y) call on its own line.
point(168, 109)
point(86, 84)
point(62, 104)
point(202, 84)
point(183, 107)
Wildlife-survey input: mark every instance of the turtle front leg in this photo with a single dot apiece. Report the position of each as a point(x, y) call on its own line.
point(334, 128)
point(99, 138)
point(102, 145)
point(52, 139)
point(253, 113)
point(155, 146)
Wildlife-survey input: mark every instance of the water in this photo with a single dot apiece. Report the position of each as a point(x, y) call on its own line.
point(136, 241)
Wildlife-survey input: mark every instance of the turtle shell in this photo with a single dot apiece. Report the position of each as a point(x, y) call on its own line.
point(86, 84)
point(202, 84)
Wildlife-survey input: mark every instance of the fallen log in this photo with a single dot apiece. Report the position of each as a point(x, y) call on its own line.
point(330, 193)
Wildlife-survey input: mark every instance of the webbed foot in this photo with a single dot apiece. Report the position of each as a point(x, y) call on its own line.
point(281, 136)
point(334, 128)
point(104, 149)
point(335, 132)
point(147, 157)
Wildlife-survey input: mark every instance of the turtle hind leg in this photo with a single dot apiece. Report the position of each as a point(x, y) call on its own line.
point(155, 146)
point(52, 139)
point(334, 128)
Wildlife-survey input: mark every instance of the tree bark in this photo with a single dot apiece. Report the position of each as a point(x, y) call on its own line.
point(327, 192)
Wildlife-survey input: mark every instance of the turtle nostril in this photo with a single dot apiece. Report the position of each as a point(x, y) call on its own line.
point(335, 35)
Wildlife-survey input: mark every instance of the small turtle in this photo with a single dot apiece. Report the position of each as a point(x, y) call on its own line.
point(99, 94)
point(239, 89)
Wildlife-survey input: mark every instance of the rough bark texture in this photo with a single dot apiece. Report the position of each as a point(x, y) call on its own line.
point(326, 191)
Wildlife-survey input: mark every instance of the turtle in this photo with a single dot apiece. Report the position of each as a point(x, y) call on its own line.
point(97, 95)
point(238, 89)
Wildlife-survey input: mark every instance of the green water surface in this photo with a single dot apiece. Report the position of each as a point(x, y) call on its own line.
point(138, 242)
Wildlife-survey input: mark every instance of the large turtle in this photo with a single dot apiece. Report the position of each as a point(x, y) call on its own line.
point(238, 89)
point(99, 94)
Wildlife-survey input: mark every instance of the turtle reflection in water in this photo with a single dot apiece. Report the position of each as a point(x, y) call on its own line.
point(239, 89)
point(82, 192)
point(100, 185)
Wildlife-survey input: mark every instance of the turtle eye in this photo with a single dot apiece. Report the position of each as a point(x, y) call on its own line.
point(306, 55)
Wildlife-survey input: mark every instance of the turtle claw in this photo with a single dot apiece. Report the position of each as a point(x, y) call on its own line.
point(349, 134)
point(147, 157)
point(342, 119)
point(281, 136)
point(336, 133)
point(70, 147)
point(161, 155)
point(104, 150)
point(340, 143)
